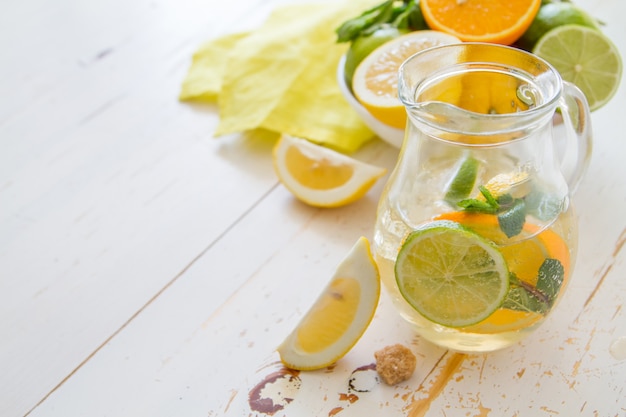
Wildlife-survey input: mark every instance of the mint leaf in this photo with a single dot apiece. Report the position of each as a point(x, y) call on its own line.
point(524, 297)
point(543, 206)
point(512, 220)
point(489, 197)
point(550, 279)
point(406, 15)
point(475, 205)
point(505, 200)
point(356, 26)
point(416, 18)
point(520, 299)
point(489, 206)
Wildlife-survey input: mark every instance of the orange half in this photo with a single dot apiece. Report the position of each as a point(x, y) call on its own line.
point(493, 21)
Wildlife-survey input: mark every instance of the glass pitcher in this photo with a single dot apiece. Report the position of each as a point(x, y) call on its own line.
point(476, 235)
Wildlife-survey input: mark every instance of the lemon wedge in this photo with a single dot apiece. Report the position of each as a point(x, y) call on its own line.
point(516, 183)
point(339, 316)
point(375, 81)
point(320, 176)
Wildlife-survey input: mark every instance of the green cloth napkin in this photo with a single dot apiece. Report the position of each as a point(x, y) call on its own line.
point(282, 77)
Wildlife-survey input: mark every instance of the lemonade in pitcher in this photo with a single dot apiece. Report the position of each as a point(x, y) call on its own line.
point(475, 235)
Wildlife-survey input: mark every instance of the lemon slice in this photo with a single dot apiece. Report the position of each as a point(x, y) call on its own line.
point(320, 176)
point(451, 275)
point(516, 183)
point(375, 81)
point(339, 317)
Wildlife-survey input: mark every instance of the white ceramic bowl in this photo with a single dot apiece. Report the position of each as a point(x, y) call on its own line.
point(387, 133)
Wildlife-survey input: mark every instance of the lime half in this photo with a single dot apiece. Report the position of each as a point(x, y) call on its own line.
point(451, 275)
point(585, 57)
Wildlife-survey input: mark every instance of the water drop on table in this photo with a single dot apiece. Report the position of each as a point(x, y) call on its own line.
point(618, 348)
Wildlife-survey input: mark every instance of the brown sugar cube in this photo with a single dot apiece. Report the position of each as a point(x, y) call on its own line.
point(395, 363)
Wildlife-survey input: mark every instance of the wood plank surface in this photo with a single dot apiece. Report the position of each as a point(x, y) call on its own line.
point(150, 269)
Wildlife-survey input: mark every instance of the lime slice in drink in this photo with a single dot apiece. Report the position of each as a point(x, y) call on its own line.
point(463, 181)
point(585, 57)
point(451, 275)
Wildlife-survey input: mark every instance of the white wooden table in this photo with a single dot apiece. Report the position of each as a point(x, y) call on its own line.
point(149, 269)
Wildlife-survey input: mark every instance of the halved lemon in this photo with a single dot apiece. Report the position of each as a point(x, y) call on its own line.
point(375, 81)
point(339, 317)
point(320, 176)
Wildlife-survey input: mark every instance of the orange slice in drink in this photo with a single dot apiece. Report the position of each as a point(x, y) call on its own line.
point(523, 257)
point(505, 320)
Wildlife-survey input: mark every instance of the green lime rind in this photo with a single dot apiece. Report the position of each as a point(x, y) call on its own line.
point(463, 181)
point(512, 219)
point(451, 275)
point(585, 57)
point(363, 45)
point(552, 15)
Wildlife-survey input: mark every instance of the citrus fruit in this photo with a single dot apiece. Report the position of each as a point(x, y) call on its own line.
point(375, 81)
point(585, 57)
point(493, 21)
point(516, 183)
point(463, 181)
point(547, 244)
point(488, 92)
point(505, 320)
point(340, 315)
point(484, 88)
point(320, 176)
point(364, 45)
point(550, 16)
point(451, 275)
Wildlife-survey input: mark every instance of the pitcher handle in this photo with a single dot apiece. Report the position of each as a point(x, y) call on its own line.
point(577, 119)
